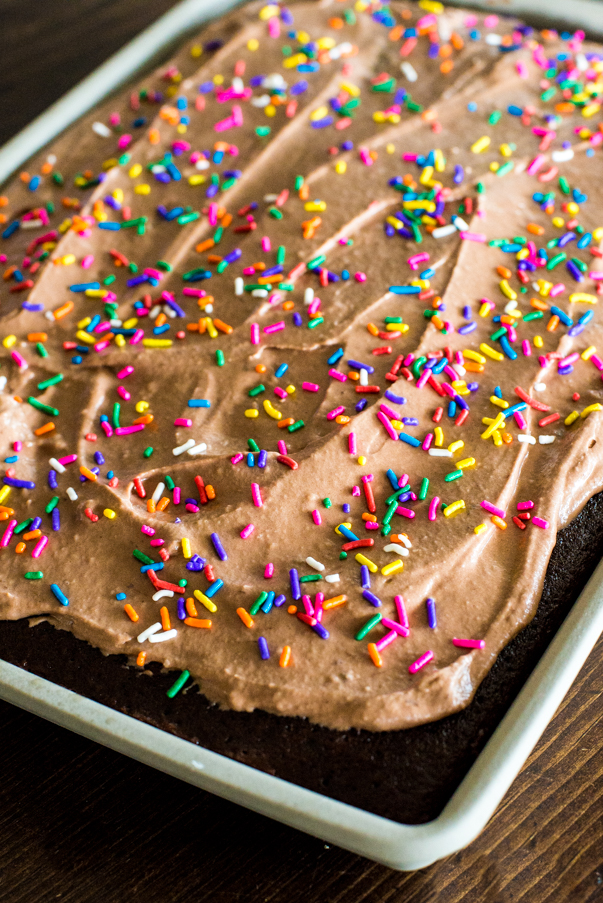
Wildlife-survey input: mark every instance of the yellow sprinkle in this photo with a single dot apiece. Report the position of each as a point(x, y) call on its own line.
point(485, 309)
point(271, 411)
point(497, 438)
point(456, 446)
point(466, 462)
point(9, 341)
point(270, 110)
point(499, 401)
point(452, 509)
point(430, 206)
point(109, 513)
point(538, 341)
point(196, 51)
point(432, 6)
point(290, 390)
point(135, 170)
point(598, 233)
point(390, 148)
point(340, 167)
point(4, 493)
point(439, 160)
point(479, 529)
point(426, 174)
point(352, 90)
point(85, 322)
point(319, 113)
point(197, 179)
point(583, 298)
point(474, 356)
point(362, 559)
point(141, 407)
point(571, 417)
point(544, 287)
point(211, 329)
point(490, 352)
point(157, 343)
point(481, 145)
point(362, 460)
point(315, 206)
point(85, 337)
point(268, 12)
point(590, 408)
point(96, 292)
point(558, 222)
point(438, 437)
point(142, 189)
point(204, 600)
point(496, 423)
point(120, 341)
point(252, 413)
point(253, 44)
point(588, 353)
point(186, 547)
point(130, 323)
point(393, 567)
point(297, 59)
point(590, 110)
point(507, 290)
point(218, 79)
point(506, 150)
point(397, 425)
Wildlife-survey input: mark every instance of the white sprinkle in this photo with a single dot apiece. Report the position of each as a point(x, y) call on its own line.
point(155, 311)
point(237, 85)
point(158, 492)
point(117, 323)
point(270, 198)
point(308, 295)
point(57, 465)
point(460, 224)
point(238, 285)
point(315, 564)
point(180, 449)
point(259, 293)
point(169, 312)
point(72, 494)
point(546, 440)
point(332, 578)
point(494, 40)
point(540, 387)
point(443, 231)
point(52, 158)
point(409, 71)
point(440, 453)
point(49, 314)
point(209, 308)
point(561, 156)
point(101, 129)
point(31, 223)
point(161, 594)
point(202, 164)
point(162, 637)
point(262, 101)
point(394, 547)
point(154, 628)
point(405, 540)
point(459, 369)
point(581, 62)
point(2, 383)
point(197, 449)
point(363, 377)
point(510, 306)
point(530, 440)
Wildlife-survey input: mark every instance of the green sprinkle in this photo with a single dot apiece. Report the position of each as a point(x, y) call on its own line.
point(148, 451)
point(580, 264)
point(558, 258)
point(52, 504)
point(316, 261)
point(416, 367)
point(142, 557)
point(221, 266)
point(505, 168)
point(219, 358)
point(299, 181)
point(343, 556)
point(497, 335)
point(168, 481)
point(295, 426)
point(258, 389)
point(41, 350)
point(372, 622)
point(57, 178)
point(395, 495)
point(178, 684)
point(275, 213)
point(423, 489)
point(394, 320)
point(390, 512)
point(315, 321)
point(280, 255)
point(182, 583)
point(23, 525)
point(386, 529)
point(416, 233)
point(164, 265)
point(109, 280)
point(327, 503)
point(130, 223)
point(286, 286)
point(494, 117)
point(50, 382)
point(46, 408)
point(310, 578)
point(253, 445)
point(258, 603)
point(217, 236)
point(262, 131)
point(548, 94)
point(564, 185)
point(33, 575)
point(125, 158)
point(116, 412)
point(455, 475)
point(186, 218)
point(414, 107)
point(350, 16)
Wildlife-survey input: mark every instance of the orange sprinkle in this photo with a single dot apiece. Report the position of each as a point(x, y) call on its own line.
point(47, 428)
point(342, 419)
point(245, 617)
point(154, 136)
point(141, 659)
point(32, 534)
point(396, 33)
point(3, 201)
point(285, 659)
point(223, 327)
point(161, 319)
point(210, 492)
point(205, 245)
point(198, 622)
point(214, 258)
point(269, 280)
point(335, 601)
point(131, 613)
point(88, 474)
point(20, 547)
point(456, 41)
point(372, 329)
point(335, 22)
point(498, 522)
point(446, 67)
point(535, 229)
point(37, 337)
point(62, 311)
point(539, 304)
point(353, 374)
point(191, 607)
point(507, 438)
point(150, 506)
point(260, 368)
point(370, 517)
point(304, 192)
point(165, 617)
point(192, 327)
point(473, 367)
point(439, 324)
point(292, 609)
point(144, 418)
point(226, 220)
point(5, 510)
point(162, 503)
point(553, 323)
point(288, 305)
point(287, 421)
point(374, 654)
point(504, 272)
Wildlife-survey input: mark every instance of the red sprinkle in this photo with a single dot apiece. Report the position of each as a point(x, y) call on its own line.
point(285, 459)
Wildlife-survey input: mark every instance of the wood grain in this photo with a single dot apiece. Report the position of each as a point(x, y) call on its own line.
point(81, 824)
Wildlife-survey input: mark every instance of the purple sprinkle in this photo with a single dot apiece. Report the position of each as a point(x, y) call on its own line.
point(297, 319)
point(99, 458)
point(36, 523)
point(397, 399)
point(280, 600)
point(295, 587)
point(431, 613)
point(372, 598)
point(19, 484)
point(263, 646)
point(321, 631)
point(181, 608)
point(52, 479)
point(218, 547)
point(466, 328)
point(365, 577)
point(56, 520)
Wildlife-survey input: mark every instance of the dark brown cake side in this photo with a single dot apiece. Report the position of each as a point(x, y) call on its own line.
point(406, 775)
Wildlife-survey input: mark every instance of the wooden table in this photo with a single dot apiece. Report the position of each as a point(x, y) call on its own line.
point(79, 823)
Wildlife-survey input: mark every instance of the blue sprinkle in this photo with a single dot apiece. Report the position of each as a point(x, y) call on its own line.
point(391, 476)
point(156, 566)
point(497, 391)
point(410, 440)
point(452, 408)
point(268, 603)
point(520, 406)
point(12, 460)
point(567, 321)
point(120, 597)
point(214, 587)
point(405, 289)
point(12, 227)
point(110, 227)
point(281, 370)
point(83, 286)
point(59, 594)
point(199, 403)
point(345, 531)
point(250, 459)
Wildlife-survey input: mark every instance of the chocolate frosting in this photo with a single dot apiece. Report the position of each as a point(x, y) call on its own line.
point(486, 586)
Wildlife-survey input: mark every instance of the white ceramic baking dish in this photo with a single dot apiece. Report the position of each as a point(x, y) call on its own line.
point(391, 843)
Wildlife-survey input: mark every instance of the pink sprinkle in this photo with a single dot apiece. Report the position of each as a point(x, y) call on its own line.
point(314, 306)
point(522, 71)
point(274, 298)
point(6, 536)
point(355, 491)
point(360, 277)
point(405, 512)
point(403, 481)
point(307, 603)
point(316, 517)
point(416, 259)
point(570, 359)
point(256, 495)
point(469, 644)
point(123, 393)
point(212, 214)
point(371, 525)
point(596, 360)
point(266, 245)
point(183, 421)
point(156, 543)
point(388, 411)
point(247, 531)
point(526, 347)
point(176, 495)
point(597, 275)
point(68, 459)
point(433, 508)
point(335, 412)
point(492, 509)
point(310, 387)
point(124, 141)
point(269, 571)
point(192, 508)
point(420, 662)
point(148, 531)
point(137, 337)
point(393, 625)
point(365, 156)
point(520, 420)
point(248, 271)
point(536, 164)
point(543, 361)
point(39, 547)
point(274, 28)
point(352, 443)
point(87, 261)
point(126, 371)
point(423, 378)
point(525, 506)
point(474, 236)
point(450, 373)
point(107, 428)
point(400, 608)
point(254, 334)
point(387, 424)
point(280, 392)
point(101, 346)
point(19, 360)
point(276, 327)
point(387, 640)
point(337, 374)
point(282, 447)
point(318, 610)
point(194, 292)
point(427, 442)
point(236, 458)
point(540, 522)
point(126, 430)
point(17, 445)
